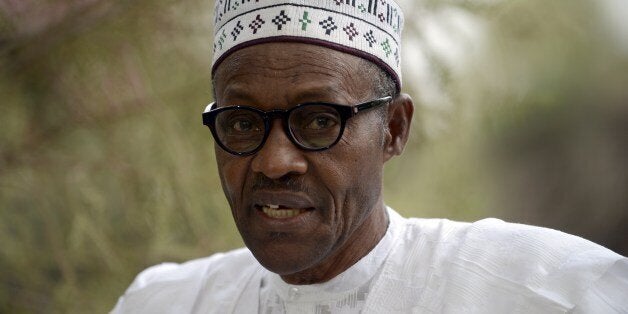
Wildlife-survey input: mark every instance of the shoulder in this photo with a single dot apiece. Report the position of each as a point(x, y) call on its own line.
point(172, 287)
point(510, 262)
point(494, 239)
point(194, 270)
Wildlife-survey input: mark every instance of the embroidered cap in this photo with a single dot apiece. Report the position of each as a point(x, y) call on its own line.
point(370, 29)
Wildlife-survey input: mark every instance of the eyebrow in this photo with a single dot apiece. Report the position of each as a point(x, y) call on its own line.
point(324, 93)
point(238, 92)
point(320, 93)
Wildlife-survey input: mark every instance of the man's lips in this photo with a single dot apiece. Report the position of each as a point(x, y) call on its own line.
point(279, 212)
point(282, 205)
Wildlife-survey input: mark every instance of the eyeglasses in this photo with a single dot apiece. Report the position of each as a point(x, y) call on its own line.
point(315, 126)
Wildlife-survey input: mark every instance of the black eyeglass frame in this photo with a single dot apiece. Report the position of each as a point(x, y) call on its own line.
point(345, 112)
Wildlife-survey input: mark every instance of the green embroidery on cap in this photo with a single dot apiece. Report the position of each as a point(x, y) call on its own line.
point(386, 47)
point(305, 21)
point(223, 36)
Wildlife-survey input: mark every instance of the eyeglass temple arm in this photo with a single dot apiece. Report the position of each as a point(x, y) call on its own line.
point(371, 104)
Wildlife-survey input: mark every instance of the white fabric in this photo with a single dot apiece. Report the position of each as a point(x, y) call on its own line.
point(428, 266)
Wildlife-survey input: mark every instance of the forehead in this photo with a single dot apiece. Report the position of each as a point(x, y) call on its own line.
point(288, 73)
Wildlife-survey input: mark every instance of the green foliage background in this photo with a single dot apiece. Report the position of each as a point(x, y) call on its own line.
point(105, 168)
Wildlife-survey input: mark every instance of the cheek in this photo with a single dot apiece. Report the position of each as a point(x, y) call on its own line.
point(357, 176)
point(232, 171)
point(365, 185)
point(363, 157)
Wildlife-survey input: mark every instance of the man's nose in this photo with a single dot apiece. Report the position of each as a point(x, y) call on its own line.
point(279, 156)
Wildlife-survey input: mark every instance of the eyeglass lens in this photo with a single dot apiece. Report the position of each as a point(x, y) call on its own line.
point(315, 126)
point(241, 130)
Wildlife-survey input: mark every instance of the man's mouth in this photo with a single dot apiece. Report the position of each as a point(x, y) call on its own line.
point(281, 212)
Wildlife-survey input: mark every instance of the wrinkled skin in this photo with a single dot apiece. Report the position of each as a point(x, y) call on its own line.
point(341, 187)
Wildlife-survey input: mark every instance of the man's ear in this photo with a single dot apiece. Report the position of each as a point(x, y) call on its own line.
point(399, 119)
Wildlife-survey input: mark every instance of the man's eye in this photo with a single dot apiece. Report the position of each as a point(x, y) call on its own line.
point(321, 122)
point(243, 125)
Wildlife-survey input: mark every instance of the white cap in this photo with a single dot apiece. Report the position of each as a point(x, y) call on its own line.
point(370, 29)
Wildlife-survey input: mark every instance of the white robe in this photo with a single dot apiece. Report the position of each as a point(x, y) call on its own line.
point(420, 266)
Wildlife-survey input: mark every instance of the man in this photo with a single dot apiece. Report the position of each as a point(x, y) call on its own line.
point(307, 110)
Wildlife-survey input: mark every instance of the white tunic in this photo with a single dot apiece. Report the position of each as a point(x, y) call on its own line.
point(420, 266)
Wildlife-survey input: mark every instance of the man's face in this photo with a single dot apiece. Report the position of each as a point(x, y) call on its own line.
point(326, 198)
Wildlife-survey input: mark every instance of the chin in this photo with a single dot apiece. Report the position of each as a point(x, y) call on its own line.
point(283, 264)
point(286, 259)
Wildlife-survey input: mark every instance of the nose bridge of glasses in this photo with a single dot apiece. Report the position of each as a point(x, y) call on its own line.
point(282, 114)
point(276, 114)
point(271, 115)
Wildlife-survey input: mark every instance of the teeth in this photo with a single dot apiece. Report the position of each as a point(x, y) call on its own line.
point(273, 211)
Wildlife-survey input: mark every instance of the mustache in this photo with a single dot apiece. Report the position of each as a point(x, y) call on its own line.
point(286, 183)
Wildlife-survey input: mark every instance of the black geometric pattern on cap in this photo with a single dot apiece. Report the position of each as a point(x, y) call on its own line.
point(328, 25)
point(281, 19)
point(370, 38)
point(351, 31)
point(382, 17)
point(257, 24)
point(237, 30)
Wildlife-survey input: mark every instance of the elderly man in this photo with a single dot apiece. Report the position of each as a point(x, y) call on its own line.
point(307, 110)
